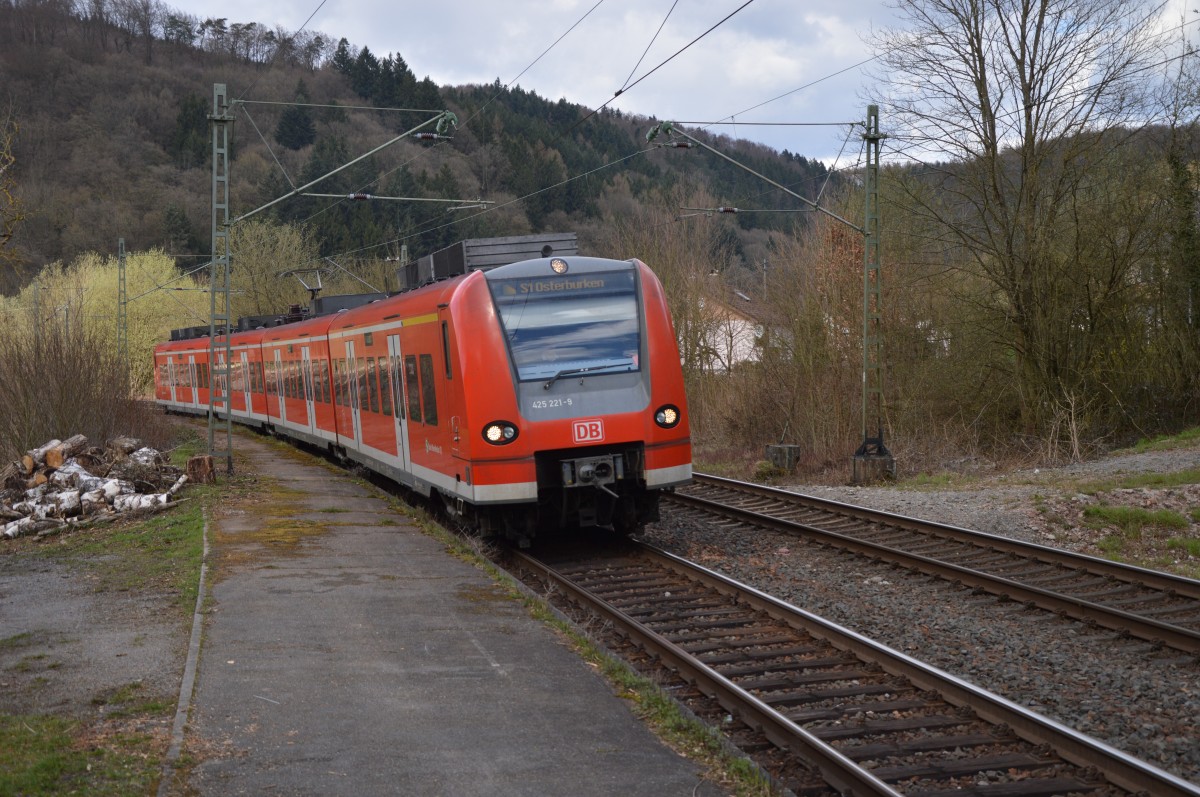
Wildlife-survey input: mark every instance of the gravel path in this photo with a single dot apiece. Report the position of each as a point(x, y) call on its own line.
point(1141, 700)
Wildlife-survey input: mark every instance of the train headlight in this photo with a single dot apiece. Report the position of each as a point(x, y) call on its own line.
point(499, 433)
point(667, 416)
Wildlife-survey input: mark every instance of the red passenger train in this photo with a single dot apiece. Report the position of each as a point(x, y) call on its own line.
point(539, 395)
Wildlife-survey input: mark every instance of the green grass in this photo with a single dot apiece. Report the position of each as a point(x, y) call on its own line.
point(43, 755)
point(129, 701)
point(1166, 442)
point(190, 444)
point(1132, 519)
point(1188, 545)
point(1160, 481)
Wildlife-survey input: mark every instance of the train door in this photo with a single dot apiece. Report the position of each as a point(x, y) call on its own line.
point(193, 383)
point(355, 406)
point(307, 376)
point(396, 374)
point(281, 385)
point(246, 383)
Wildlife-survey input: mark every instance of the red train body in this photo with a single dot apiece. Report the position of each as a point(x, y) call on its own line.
point(543, 394)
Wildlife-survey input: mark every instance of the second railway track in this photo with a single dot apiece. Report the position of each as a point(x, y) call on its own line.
point(1146, 604)
point(854, 716)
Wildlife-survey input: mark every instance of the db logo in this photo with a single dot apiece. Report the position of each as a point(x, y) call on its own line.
point(588, 431)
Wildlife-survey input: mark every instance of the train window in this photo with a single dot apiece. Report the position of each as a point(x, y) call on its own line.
point(414, 388)
point(204, 375)
point(325, 396)
point(306, 380)
point(584, 323)
point(372, 384)
point(337, 387)
point(364, 398)
point(446, 347)
point(385, 386)
point(397, 394)
point(428, 394)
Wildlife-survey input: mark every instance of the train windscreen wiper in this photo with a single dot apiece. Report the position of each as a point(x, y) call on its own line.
point(576, 371)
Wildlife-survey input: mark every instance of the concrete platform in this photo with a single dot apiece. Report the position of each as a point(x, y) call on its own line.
point(364, 660)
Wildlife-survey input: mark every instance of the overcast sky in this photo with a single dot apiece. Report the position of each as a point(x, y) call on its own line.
point(767, 49)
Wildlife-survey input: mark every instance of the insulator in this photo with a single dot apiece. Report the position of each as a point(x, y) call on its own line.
point(727, 210)
point(359, 197)
point(682, 144)
point(426, 136)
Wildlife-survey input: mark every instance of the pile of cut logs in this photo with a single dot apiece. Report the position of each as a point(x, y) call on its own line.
point(71, 483)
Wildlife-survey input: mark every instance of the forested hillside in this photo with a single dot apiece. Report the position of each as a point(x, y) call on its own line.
point(111, 102)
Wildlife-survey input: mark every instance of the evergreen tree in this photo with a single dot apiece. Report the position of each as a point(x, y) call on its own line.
point(364, 75)
point(296, 129)
point(190, 142)
point(342, 61)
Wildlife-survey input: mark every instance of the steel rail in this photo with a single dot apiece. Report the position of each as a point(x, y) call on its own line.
point(1146, 628)
point(1166, 582)
point(839, 771)
point(1119, 768)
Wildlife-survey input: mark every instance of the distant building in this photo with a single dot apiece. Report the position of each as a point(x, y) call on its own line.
point(731, 334)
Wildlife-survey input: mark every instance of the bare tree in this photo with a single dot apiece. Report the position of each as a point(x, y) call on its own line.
point(1024, 111)
point(11, 212)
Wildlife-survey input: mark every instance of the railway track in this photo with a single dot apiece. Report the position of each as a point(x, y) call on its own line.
point(854, 717)
point(1158, 607)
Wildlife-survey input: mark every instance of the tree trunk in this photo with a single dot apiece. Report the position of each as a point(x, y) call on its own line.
point(200, 469)
point(37, 457)
point(56, 456)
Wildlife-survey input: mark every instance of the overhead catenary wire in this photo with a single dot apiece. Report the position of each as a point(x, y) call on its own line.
point(669, 59)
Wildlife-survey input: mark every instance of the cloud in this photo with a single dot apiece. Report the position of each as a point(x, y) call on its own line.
point(769, 48)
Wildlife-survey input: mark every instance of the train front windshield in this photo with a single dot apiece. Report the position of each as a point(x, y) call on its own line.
point(560, 326)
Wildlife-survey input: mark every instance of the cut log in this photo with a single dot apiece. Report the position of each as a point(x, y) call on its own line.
point(55, 457)
point(124, 445)
point(13, 476)
point(37, 480)
point(200, 469)
point(37, 457)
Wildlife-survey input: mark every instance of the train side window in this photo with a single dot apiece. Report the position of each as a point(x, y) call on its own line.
point(364, 398)
point(414, 388)
point(372, 384)
point(337, 387)
point(385, 386)
point(325, 395)
point(428, 393)
point(446, 347)
point(397, 384)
